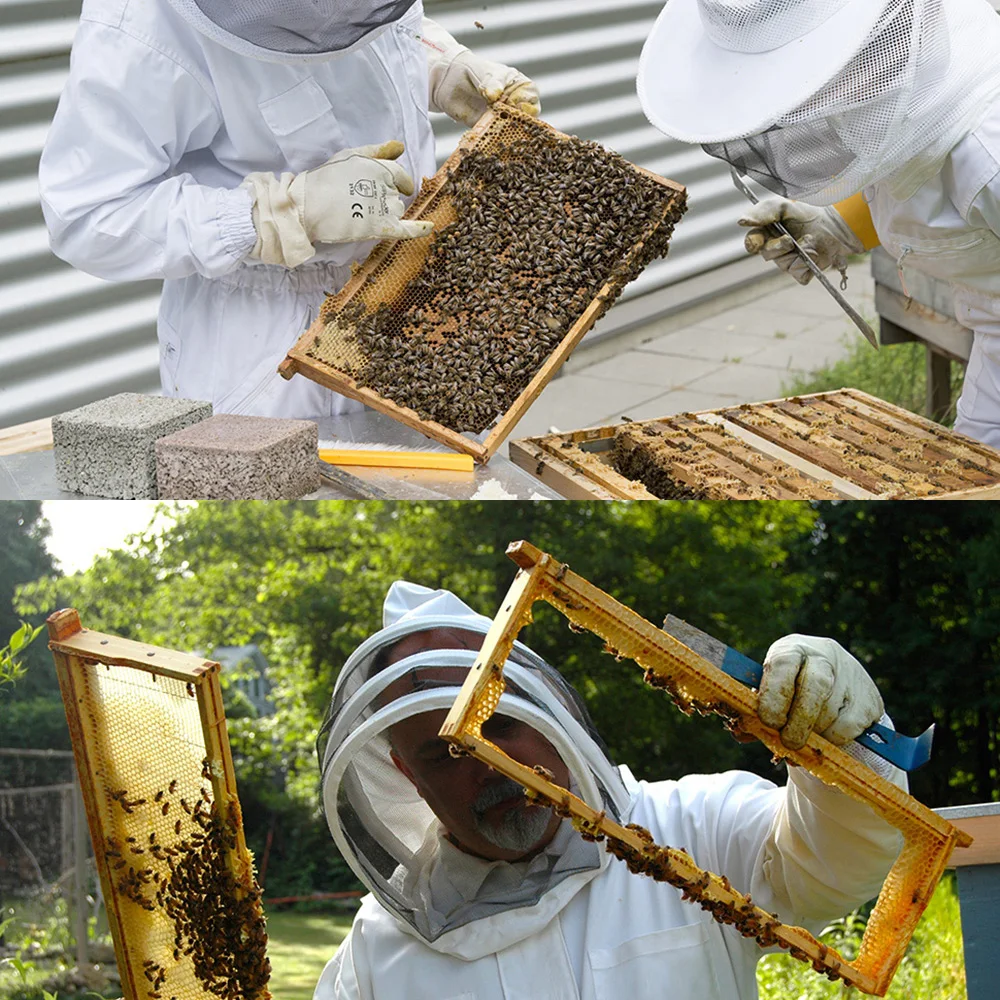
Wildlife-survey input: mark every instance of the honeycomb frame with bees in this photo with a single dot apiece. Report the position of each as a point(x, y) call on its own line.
point(455, 335)
point(842, 444)
point(695, 684)
point(156, 772)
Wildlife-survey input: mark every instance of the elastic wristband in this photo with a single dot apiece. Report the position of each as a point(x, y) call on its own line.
point(855, 212)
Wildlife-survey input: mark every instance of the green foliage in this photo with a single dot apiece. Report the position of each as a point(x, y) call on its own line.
point(24, 558)
point(11, 667)
point(896, 373)
point(915, 595)
point(933, 966)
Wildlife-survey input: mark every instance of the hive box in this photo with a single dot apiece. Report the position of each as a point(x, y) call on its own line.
point(231, 457)
point(105, 448)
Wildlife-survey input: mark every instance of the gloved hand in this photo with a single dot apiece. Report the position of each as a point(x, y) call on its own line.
point(354, 196)
point(463, 85)
point(811, 684)
point(821, 232)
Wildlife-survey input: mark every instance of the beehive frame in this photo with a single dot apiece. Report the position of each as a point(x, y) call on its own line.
point(861, 448)
point(696, 684)
point(403, 259)
point(110, 687)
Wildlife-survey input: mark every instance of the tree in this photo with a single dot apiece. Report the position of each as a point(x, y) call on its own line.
point(914, 593)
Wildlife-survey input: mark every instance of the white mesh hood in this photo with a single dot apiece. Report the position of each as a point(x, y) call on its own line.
point(291, 30)
point(389, 835)
point(924, 77)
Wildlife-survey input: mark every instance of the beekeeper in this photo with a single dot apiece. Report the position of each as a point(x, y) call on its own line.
point(872, 120)
point(247, 154)
point(473, 893)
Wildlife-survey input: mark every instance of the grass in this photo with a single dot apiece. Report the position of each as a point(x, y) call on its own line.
point(895, 373)
point(933, 967)
point(299, 945)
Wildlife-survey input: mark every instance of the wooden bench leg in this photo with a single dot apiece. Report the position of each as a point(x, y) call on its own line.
point(938, 384)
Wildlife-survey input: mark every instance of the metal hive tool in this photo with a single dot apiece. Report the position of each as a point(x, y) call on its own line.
point(697, 685)
point(536, 234)
point(149, 737)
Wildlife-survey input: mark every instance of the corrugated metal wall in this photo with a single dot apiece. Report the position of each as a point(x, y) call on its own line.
point(67, 338)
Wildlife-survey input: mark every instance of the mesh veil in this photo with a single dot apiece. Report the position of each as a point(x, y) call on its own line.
point(388, 834)
point(925, 76)
point(292, 28)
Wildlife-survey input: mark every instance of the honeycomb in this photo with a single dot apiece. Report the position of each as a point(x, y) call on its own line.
point(536, 234)
point(165, 823)
point(695, 685)
point(680, 458)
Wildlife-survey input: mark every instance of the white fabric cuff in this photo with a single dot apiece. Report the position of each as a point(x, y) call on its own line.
point(845, 234)
point(882, 767)
point(236, 222)
point(442, 50)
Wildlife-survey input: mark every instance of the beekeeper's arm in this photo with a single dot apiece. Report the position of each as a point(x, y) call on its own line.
point(463, 84)
point(117, 205)
point(825, 852)
point(830, 235)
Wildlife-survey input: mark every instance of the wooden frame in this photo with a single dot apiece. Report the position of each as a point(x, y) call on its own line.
point(696, 684)
point(759, 437)
point(81, 657)
point(299, 361)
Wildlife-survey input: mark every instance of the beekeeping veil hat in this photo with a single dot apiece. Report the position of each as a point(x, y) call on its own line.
point(388, 834)
point(291, 30)
point(817, 99)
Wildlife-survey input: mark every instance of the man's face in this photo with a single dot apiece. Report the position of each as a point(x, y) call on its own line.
point(485, 812)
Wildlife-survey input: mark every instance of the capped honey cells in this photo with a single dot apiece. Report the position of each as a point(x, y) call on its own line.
point(538, 228)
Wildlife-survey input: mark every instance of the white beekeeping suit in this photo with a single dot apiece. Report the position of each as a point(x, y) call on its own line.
point(570, 922)
point(247, 153)
point(898, 100)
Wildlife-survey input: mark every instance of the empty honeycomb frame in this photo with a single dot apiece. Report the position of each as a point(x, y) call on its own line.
point(152, 753)
point(696, 684)
point(324, 351)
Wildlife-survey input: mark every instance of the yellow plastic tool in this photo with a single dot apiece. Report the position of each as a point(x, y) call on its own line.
point(398, 459)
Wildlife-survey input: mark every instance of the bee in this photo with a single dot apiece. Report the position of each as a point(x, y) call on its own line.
point(172, 787)
point(177, 828)
point(165, 808)
point(158, 796)
point(189, 687)
point(478, 25)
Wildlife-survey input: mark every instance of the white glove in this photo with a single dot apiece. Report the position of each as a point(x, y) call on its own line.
point(463, 85)
point(821, 232)
point(354, 196)
point(812, 684)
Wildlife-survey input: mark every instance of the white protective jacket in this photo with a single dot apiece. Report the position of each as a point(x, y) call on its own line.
point(810, 853)
point(950, 229)
point(156, 129)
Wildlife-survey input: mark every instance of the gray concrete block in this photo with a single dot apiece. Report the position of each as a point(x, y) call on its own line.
point(233, 457)
point(106, 448)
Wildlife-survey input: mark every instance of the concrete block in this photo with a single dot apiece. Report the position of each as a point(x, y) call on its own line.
point(106, 448)
point(233, 457)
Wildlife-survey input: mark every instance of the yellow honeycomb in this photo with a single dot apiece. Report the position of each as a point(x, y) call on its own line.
point(694, 684)
point(151, 751)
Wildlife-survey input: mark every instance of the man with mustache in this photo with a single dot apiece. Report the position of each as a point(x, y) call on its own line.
point(476, 893)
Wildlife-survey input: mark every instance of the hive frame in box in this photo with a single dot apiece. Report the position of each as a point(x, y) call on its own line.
point(696, 684)
point(96, 673)
point(572, 463)
point(298, 359)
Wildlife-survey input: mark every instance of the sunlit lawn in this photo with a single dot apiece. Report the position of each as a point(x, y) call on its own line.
point(299, 945)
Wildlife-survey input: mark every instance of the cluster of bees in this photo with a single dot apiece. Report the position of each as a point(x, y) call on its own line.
point(218, 921)
point(644, 462)
point(740, 911)
point(542, 226)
